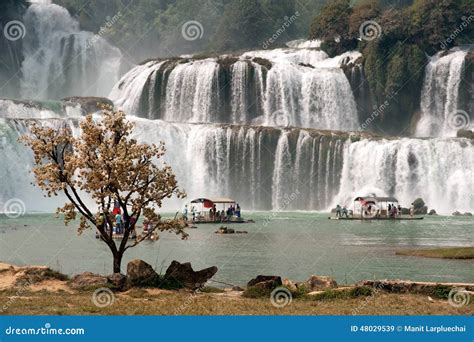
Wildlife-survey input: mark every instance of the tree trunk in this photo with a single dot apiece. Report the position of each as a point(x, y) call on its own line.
point(117, 261)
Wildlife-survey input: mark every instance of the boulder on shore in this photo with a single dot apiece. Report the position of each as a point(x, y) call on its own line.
point(265, 282)
point(140, 273)
point(88, 280)
point(290, 285)
point(118, 281)
point(186, 276)
point(316, 283)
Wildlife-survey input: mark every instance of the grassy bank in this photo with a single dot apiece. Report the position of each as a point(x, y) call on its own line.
point(443, 253)
point(159, 302)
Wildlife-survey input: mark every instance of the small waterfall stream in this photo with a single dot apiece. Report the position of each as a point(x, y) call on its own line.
point(60, 60)
point(440, 95)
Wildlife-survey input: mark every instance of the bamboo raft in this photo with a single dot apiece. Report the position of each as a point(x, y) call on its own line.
point(377, 218)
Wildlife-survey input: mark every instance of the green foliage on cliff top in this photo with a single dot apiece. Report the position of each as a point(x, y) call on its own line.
point(395, 47)
point(153, 27)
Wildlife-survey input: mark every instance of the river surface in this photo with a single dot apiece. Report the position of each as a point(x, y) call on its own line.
point(290, 244)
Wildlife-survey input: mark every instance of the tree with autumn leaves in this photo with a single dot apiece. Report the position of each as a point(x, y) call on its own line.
point(104, 165)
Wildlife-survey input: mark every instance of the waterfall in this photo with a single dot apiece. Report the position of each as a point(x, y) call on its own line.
point(192, 90)
point(297, 87)
point(60, 60)
point(437, 170)
point(17, 162)
point(208, 159)
point(440, 94)
point(274, 168)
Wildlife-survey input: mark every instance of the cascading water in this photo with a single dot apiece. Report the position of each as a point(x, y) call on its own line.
point(437, 170)
point(283, 87)
point(17, 162)
point(60, 60)
point(274, 168)
point(211, 160)
point(440, 114)
point(261, 167)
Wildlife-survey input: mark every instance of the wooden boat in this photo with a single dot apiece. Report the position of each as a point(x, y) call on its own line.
point(373, 208)
point(376, 218)
point(207, 204)
point(232, 220)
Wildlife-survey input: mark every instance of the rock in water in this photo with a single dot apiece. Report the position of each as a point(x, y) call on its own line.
point(185, 275)
point(420, 207)
point(265, 282)
point(315, 283)
point(88, 280)
point(432, 212)
point(140, 273)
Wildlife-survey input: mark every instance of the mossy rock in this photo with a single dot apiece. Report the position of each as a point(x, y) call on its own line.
point(465, 133)
point(263, 62)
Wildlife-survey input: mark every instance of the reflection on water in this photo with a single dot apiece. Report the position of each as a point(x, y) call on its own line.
point(295, 246)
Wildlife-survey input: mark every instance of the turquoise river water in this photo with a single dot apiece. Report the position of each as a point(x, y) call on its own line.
point(290, 244)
